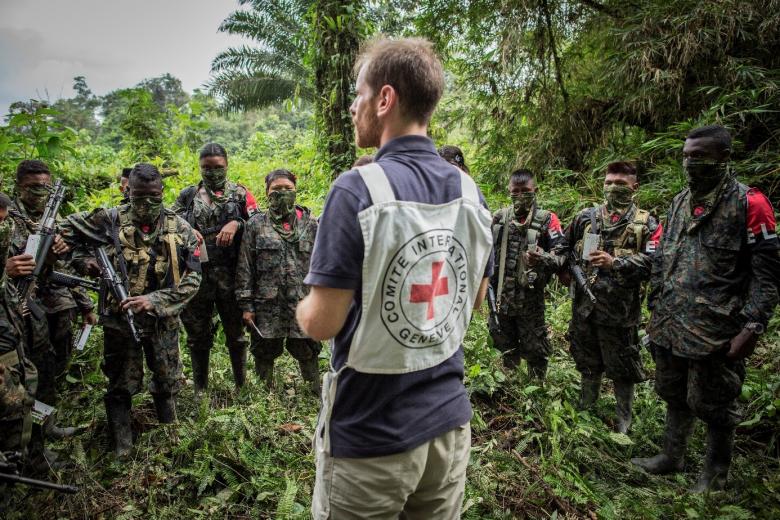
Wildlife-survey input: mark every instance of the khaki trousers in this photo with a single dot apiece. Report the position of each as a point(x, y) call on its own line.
point(426, 482)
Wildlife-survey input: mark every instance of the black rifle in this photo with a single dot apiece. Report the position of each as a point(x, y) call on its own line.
point(579, 276)
point(68, 280)
point(9, 472)
point(116, 285)
point(47, 230)
point(493, 305)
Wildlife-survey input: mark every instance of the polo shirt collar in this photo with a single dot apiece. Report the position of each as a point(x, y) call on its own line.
point(406, 144)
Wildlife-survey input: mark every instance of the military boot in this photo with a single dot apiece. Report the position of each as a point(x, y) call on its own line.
point(537, 371)
point(119, 426)
point(165, 405)
point(265, 372)
point(590, 389)
point(238, 363)
point(679, 425)
point(200, 369)
point(624, 396)
point(720, 444)
point(310, 370)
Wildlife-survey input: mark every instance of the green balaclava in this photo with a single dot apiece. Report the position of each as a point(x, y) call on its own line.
point(281, 204)
point(522, 202)
point(618, 197)
point(146, 210)
point(34, 197)
point(214, 178)
point(704, 175)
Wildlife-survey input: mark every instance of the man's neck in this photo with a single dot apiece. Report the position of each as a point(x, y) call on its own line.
point(394, 131)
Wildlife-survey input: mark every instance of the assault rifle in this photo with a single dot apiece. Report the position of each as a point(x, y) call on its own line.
point(116, 285)
point(38, 245)
point(493, 305)
point(9, 472)
point(579, 276)
point(71, 281)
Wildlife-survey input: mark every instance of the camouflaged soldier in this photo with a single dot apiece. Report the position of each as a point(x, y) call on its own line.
point(273, 261)
point(714, 288)
point(157, 252)
point(523, 238)
point(603, 335)
point(50, 344)
point(217, 210)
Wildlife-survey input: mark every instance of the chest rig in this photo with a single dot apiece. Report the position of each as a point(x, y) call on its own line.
point(209, 219)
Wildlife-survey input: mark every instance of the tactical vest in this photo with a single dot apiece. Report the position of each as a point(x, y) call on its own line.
point(146, 268)
point(514, 278)
point(215, 218)
point(628, 243)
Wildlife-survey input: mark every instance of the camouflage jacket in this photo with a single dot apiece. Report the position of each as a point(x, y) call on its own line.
point(150, 266)
point(52, 297)
point(631, 239)
point(237, 203)
point(716, 269)
point(270, 273)
point(522, 288)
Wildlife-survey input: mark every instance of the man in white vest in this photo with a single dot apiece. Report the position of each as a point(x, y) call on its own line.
point(402, 256)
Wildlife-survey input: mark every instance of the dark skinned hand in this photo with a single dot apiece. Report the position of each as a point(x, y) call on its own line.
point(138, 304)
point(20, 265)
point(228, 232)
point(742, 345)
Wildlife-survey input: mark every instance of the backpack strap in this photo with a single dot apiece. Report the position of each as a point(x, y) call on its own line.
point(173, 254)
point(376, 181)
point(468, 188)
point(502, 252)
point(114, 217)
point(538, 218)
point(186, 198)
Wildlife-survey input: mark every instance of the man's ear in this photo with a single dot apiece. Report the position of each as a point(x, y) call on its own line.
point(386, 100)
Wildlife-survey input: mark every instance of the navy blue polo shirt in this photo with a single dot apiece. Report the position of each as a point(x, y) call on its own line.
point(376, 415)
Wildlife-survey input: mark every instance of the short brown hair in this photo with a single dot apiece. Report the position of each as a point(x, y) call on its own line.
point(622, 167)
point(411, 67)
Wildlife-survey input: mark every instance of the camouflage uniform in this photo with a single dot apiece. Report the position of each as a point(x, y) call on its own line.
point(50, 345)
point(170, 281)
point(269, 282)
point(217, 287)
point(522, 330)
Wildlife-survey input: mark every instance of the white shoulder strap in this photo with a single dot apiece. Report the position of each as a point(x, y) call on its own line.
point(468, 188)
point(376, 181)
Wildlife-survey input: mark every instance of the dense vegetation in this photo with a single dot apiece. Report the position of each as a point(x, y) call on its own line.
point(563, 87)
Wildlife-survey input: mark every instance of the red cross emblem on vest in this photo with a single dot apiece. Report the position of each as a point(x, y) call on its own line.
point(426, 293)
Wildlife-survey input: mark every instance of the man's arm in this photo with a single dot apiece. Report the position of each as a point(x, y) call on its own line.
point(481, 293)
point(322, 314)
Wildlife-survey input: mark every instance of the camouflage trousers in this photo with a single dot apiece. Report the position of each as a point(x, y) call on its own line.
point(522, 337)
point(217, 289)
point(61, 337)
point(123, 362)
point(599, 349)
point(265, 350)
point(40, 351)
point(707, 387)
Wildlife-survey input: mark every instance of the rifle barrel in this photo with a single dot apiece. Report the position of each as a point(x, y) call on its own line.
point(17, 479)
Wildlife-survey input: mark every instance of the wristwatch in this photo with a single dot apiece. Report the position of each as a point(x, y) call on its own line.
point(755, 327)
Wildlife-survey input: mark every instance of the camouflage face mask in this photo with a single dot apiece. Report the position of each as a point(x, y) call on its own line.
point(146, 210)
point(34, 197)
point(618, 197)
point(704, 174)
point(281, 203)
point(522, 202)
point(214, 178)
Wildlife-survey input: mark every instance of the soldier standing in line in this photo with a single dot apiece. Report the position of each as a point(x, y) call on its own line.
point(523, 237)
point(618, 240)
point(454, 156)
point(156, 253)
point(51, 343)
point(714, 288)
point(273, 261)
point(217, 210)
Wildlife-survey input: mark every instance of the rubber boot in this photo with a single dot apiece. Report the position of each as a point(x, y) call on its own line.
point(265, 372)
point(720, 445)
point(590, 389)
point(238, 363)
point(679, 425)
point(119, 426)
point(165, 405)
point(537, 370)
point(624, 397)
point(200, 369)
point(310, 371)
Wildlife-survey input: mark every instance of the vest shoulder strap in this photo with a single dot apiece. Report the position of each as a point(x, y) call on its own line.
point(538, 219)
point(469, 190)
point(376, 181)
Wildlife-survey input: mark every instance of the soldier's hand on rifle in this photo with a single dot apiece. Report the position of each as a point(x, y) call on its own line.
point(138, 304)
point(59, 246)
point(601, 259)
point(92, 267)
point(20, 265)
point(248, 318)
point(742, 345)
point(89, 317)
point(229, 230)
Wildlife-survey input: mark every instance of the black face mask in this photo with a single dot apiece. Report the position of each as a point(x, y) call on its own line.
point(704, 174)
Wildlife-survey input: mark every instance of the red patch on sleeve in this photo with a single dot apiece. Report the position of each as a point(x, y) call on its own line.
point(760, 214)
point(251, 203)
point(698, 210)
point(652, 242)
